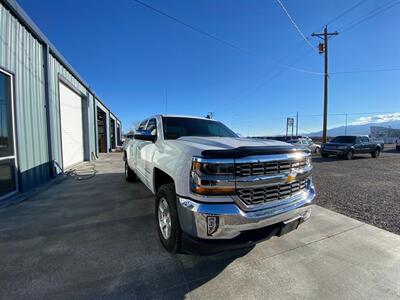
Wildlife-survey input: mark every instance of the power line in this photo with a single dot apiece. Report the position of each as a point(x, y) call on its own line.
point(209, 35)
point(295, 25)
point(349, 114)
point(345, 12)
point(368, 15)
point(291, 66)
point(198, 30)
point(274, 76)
point(366, 71)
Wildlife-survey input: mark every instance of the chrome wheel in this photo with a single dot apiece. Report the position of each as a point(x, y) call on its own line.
point(164, 218)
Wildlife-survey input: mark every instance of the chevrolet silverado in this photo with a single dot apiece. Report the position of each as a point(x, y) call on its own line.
point(214, 190)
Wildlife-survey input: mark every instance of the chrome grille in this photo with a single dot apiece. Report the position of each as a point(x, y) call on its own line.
point(252, 196)
point(268, 168)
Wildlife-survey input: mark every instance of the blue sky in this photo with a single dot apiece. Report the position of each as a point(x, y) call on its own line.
point(132, 57)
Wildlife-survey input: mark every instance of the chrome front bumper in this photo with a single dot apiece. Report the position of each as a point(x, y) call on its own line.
point(230, 220)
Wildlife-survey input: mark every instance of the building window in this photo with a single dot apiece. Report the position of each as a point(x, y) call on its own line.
point(7, 151)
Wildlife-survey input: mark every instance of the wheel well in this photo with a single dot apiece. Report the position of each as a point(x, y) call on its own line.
point(160, 178)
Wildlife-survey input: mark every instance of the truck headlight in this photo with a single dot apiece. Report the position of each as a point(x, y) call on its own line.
point(212, 177)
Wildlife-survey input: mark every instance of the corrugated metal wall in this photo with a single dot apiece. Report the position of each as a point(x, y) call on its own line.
point(22, 55)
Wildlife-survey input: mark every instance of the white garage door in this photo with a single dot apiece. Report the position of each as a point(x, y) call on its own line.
point(71, 126)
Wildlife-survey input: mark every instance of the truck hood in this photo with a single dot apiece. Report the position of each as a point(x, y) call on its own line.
point(225, 143)
point(226, 147)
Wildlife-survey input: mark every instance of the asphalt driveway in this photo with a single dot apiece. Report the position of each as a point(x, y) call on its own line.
point(95, 239)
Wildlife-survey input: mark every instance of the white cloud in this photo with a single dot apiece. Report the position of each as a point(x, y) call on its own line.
point(377, 119)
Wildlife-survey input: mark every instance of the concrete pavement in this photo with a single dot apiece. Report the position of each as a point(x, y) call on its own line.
point(95, 238)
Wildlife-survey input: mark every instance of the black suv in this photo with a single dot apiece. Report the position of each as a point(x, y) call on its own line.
point(349, 145)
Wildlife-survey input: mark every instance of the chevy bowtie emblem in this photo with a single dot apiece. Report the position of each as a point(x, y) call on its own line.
point(291, 178)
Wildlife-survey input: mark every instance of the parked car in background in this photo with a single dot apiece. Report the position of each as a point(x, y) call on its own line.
point(380, 142)
point(306, 142)
point(348, 146)
point(215, 190)
point(398, 145)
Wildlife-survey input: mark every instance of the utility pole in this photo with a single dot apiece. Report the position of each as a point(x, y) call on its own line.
point(297, 123)
point(345, 127)
point(323, 48)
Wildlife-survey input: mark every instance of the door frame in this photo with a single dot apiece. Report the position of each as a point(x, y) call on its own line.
point(64, 81)
point(14, 135)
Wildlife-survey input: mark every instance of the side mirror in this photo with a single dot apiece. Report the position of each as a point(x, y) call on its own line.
point(145, 135)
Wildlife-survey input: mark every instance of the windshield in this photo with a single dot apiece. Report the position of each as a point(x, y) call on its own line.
point(175, 127)
point(344, 139)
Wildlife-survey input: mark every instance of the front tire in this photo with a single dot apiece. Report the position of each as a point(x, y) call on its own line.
point(376, 153)
point(130, 176)
point(166, 216)
point(324, 155)
point(350, 155)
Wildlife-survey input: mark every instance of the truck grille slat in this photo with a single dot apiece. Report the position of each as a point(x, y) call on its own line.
point(253, 196)
point(268, 168)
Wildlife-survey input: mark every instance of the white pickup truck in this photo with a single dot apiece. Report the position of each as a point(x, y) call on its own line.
point(214, 190)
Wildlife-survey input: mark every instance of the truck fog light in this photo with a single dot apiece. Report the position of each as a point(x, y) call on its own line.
point(212, 224)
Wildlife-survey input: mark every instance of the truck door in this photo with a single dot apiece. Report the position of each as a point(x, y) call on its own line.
point(137, 149)
point(146, 151)
point(366, 145)
point(358, 146)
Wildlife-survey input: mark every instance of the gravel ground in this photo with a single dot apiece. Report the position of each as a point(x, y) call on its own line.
point(364, 188)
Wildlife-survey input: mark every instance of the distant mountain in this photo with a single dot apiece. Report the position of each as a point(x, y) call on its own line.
point(363, 129)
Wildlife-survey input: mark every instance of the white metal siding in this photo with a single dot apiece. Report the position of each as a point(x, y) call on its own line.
point(71, 126)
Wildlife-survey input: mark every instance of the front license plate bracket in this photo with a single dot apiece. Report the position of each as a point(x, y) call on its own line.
point(289, 226)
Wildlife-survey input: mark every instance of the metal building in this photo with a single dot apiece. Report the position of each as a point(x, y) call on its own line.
point(50, 119)
point(387, 134)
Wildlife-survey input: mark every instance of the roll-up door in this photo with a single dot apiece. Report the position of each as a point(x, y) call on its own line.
point(71, 126)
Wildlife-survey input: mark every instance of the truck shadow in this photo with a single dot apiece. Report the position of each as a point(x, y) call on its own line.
point(96, 238)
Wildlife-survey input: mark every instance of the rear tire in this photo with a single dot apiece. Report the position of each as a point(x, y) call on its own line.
point(130, 175)
point(376, 153)
point(166, 216)
point(350, 155)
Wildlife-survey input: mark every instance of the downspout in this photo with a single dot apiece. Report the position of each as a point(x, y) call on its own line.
point(46, 69)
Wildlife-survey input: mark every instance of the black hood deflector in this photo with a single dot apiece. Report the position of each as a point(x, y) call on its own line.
point(248, 151)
